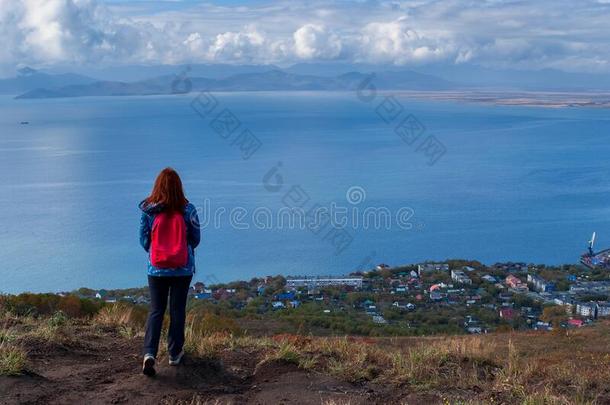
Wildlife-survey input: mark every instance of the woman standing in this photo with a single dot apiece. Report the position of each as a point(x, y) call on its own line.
point(169, 232)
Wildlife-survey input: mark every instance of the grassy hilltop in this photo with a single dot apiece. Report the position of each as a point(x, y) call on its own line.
point(68, 350)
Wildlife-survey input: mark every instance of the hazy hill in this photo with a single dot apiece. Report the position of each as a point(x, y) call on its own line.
point(468, 75)
point(533, 80)
point(145, 80)
point(134, 73)
point(152, 80)
point(270, 80)
point(29, 79)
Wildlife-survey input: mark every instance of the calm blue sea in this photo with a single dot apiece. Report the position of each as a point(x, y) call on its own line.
point(520, 184)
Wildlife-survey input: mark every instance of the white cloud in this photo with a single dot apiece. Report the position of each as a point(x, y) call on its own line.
point(313, 41)
point(395, 42)
point(547, 33)
point(237, 46)
point(70, 31)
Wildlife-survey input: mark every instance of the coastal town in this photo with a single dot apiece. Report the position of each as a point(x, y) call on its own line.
point(455, 296)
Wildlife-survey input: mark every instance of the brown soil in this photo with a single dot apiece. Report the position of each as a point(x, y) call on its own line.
point(104, 367)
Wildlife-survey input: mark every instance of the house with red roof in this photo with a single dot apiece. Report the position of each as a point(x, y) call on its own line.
point(508, 313)
point(515, 283)
point(576, 323)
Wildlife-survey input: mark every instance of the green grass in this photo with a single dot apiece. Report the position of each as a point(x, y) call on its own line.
point(12, 359)
point(7, 335)
point(288, 353)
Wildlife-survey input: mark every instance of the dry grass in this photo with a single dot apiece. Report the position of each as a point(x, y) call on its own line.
point(128, 319)
point(53, 330)
point(335, 402)
point(286, 352)
point(515, 368)
point(196, 400)
point(208, 335)
point(47, 333)
point(557, 369)
point(526, 368)
point(12, 357)
point(7, 335)
point(207, 346)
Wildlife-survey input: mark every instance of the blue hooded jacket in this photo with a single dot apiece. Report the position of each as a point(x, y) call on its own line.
point(193, 236)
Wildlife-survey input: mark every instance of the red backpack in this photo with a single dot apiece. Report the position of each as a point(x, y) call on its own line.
point(168, 248)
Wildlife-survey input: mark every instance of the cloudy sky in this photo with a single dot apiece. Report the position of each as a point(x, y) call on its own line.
point(567, 35)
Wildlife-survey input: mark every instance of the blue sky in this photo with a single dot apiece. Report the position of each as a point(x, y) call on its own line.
point(566, 35)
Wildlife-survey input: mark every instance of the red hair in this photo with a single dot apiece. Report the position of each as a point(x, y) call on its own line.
point(168, 191)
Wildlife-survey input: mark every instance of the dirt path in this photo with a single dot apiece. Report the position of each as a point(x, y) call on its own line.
point(106, 369)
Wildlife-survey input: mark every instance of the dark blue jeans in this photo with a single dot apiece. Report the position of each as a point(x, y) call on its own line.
point(160, 288)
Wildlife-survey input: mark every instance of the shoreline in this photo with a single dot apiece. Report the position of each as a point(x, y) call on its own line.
point(544, 99)
point(517, 98)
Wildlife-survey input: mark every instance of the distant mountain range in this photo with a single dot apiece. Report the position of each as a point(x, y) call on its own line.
point(271, 80)
point(164, 79)
point(29, 79)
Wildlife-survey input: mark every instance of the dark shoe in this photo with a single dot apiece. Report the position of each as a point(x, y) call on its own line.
point(148, 366)
point(175, 360)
